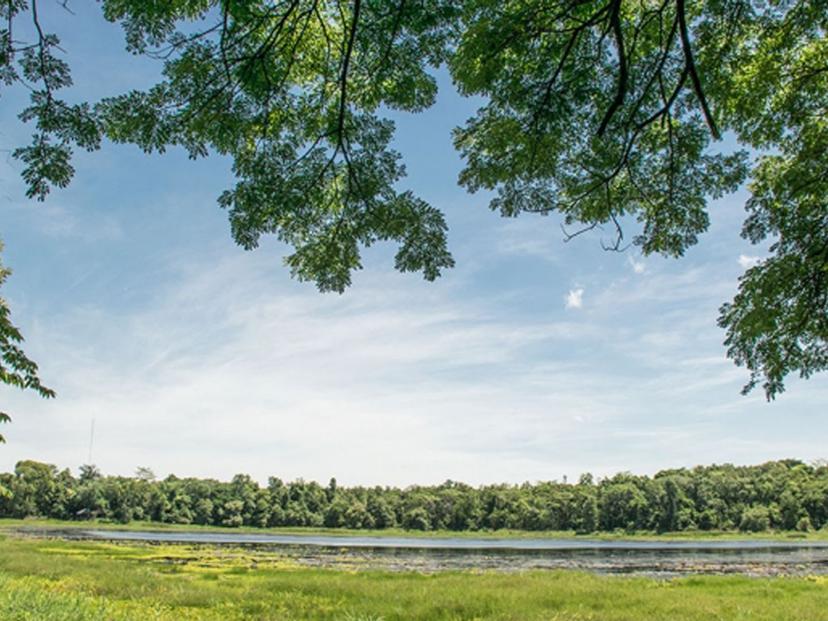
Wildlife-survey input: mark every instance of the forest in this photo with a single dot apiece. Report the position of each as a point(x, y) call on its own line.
point(778, 495)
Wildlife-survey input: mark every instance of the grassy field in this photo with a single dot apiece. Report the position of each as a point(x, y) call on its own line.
point(821, 535)
point(49, 580)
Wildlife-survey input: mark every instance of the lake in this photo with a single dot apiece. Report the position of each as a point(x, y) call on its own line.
point(665, 558)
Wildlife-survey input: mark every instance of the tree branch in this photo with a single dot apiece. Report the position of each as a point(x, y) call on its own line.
point(623, 75)
point(691, 68)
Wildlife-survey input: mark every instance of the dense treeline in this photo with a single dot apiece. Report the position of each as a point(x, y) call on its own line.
point(785, 495)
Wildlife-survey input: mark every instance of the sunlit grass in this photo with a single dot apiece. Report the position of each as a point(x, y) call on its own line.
point(49, 580)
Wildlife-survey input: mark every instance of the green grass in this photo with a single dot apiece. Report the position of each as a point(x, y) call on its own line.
point(821, 535)
point(51, 580)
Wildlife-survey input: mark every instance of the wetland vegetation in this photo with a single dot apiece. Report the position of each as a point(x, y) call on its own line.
point(51, 580)
point(632, 556)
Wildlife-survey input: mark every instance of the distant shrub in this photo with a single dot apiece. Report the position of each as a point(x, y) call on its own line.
point(708, 520)
point(232, 513)
point(755, 520)
point(685, 521)
point(804, 524)
point(417, 519)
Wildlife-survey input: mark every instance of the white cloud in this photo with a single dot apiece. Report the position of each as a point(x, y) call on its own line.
point(637, 266)
point(747, 261)
point(575, 298)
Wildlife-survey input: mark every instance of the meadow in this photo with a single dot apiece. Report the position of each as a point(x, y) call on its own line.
point(51, 580)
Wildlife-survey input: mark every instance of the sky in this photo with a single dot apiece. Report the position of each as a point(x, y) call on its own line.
point(533, 359)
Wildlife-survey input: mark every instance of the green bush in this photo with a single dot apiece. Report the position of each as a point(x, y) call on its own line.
point(804, 524)
point(755, 520)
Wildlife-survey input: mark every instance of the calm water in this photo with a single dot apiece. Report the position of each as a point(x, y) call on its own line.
point(448, 543)
point(667, 558)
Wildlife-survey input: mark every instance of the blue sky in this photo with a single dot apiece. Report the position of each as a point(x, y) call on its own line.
point(532, 359)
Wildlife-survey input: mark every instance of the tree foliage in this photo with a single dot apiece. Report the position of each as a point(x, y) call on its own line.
point(291, 92)
point(15, 368)
point(783, 495)
point(607, 112)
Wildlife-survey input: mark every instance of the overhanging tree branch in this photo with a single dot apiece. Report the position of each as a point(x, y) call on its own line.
point(691, 68)
point(623, 71)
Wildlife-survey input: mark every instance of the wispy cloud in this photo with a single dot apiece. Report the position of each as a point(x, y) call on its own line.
point(226, 371)
point(637, 266)
point(238, 369)
point(532, 237)
point(53, 219)
point(575, 298)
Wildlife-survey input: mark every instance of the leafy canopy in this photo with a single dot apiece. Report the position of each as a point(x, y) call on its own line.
point(606, 112)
